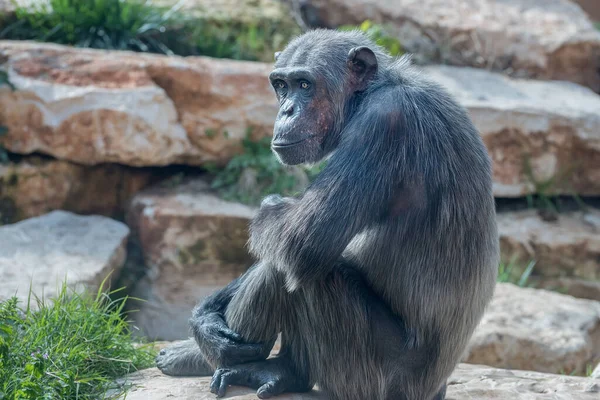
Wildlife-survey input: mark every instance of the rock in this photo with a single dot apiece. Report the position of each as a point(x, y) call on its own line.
point(193, 243)
point(544, 39)
point(537, 330)
point(92, 106)
point(596, 372)
point(43, 252)
point(486, 383)
point(467, 382)
point(36, 185)
point(592, 7)
point(573, 287)
point(542, 136)
point(568, 247)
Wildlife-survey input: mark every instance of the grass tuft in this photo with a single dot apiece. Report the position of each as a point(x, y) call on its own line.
point(70, 348)
point(136, 25)
point(511, 272)
point(379, 34)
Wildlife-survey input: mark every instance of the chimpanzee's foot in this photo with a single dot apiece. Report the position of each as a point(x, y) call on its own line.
point(183, 359)
point(270, 377)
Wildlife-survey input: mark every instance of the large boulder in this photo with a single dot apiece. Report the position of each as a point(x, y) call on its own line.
point(566, 247)
point(35, 186)
point(542, 136)
point(43, 252)
point(537, 330)
point(467, 382)
point(92, 106)
point(545, 39)
point(193, 243)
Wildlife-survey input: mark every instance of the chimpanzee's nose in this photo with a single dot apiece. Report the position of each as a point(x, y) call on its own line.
point(287, 108)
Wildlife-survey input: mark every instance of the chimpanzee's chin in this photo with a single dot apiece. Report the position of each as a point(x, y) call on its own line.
point(289, 155)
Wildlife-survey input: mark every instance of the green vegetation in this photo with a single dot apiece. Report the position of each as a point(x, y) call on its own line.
point(105, 24)
point(254, 41)
point(267, 174)
point(71, 348)
point(379, 34)
point(140, 25)
point(545, 198)
point(511, 272)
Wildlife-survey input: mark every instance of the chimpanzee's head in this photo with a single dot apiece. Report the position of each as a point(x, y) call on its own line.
point(315, 77)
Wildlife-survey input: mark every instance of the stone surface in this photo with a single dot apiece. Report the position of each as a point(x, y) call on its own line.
point(536, 132)
point(546, 39)
point(592, 7)
point(596, 372)
point(567, 247)
point(35, 186)
point(467, 382)
point(193, 243)
point(581, 288)
point(537, 330)
point(43, 252)
point(92, 106)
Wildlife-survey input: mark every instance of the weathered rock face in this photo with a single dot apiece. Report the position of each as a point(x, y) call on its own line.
point(545, 39)
point(45, 251)
point(537, 330)
point(581, 288)
point(569, 246)
point(592, 7)
point(535, 132)
point(193, 243)
point(95, 107)
point(36, 186)
point(467, 382)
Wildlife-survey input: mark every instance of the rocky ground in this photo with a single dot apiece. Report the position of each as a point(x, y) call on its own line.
point(98, 142)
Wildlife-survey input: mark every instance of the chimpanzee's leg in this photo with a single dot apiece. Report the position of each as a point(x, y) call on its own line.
point(336, 332)
point(214, 343)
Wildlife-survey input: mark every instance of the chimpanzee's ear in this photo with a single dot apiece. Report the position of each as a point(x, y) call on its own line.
point(277, 53)
point(362, 63)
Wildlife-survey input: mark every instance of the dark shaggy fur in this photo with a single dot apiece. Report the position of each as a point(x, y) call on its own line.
point(378, 274)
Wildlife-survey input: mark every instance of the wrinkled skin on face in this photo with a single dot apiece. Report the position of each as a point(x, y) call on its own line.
point(310, 115)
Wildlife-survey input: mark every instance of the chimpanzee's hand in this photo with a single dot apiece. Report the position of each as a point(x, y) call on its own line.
point(223, 347)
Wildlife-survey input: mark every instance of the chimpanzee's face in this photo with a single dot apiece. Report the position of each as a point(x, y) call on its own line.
point(306, 115)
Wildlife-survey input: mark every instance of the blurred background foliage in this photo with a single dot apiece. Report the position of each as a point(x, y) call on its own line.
point(164, 27)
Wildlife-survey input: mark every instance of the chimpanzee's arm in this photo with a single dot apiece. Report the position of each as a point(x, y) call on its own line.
point(355, 190)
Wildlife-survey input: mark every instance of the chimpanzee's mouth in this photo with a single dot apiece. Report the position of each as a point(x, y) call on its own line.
point(283, 144)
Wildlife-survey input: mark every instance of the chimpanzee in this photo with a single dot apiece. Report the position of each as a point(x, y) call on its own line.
point(377, 275)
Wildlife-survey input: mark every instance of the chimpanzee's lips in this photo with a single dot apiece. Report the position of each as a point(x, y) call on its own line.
point(283, 144)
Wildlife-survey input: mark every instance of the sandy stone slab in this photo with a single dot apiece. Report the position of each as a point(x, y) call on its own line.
point(60, 246)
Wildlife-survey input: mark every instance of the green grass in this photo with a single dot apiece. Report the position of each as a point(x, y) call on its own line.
point(512, 272)
point(71, 348)
point(545, 196)
point(271, 176)
point(105, 24)
point(379, 34)
point(139, 25)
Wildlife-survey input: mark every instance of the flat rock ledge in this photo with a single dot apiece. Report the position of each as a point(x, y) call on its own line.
point(467, 382)
point(537, 330)
point(43, 252)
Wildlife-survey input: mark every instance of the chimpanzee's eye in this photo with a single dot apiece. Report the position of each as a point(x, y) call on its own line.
point(279, 84)
point(304, 85)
